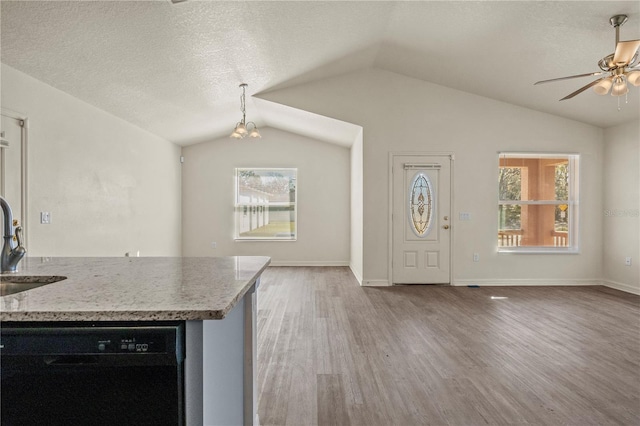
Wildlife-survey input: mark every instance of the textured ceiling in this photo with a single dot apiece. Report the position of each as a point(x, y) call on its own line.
point(174, 69)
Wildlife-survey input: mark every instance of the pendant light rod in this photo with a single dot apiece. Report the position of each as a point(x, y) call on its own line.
point(243, 128)
point(243, 86)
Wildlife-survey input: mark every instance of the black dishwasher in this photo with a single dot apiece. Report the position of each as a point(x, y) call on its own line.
point(99, 373)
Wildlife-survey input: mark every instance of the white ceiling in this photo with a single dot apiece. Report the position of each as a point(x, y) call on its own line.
point(174, 69)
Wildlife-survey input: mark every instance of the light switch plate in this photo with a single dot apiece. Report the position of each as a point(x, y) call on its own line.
point(45, 218)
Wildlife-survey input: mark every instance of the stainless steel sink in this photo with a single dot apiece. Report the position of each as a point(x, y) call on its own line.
point(11, 284)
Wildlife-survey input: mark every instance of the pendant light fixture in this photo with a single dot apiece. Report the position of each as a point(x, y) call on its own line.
point(244, 128)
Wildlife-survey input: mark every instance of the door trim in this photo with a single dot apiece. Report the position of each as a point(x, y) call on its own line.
point(393, 154)
point(23, 122)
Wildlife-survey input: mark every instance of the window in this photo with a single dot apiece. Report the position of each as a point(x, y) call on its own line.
point(538, 202)
point(265, 205)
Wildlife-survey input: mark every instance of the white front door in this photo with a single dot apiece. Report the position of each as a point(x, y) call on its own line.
point(421, 221)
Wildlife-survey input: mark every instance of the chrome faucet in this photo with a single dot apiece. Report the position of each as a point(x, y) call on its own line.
point(10, 256)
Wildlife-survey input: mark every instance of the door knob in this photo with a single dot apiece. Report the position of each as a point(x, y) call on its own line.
point(446, 226)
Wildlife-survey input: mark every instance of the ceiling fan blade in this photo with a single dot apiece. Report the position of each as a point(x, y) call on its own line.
point(583, 88)
point(624, 52)
point(570, 77)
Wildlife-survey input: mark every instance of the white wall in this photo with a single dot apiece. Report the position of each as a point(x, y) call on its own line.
point(111, 187)
point(357, 234)
point(323, 197)
point(399, 114)
point(621, 213)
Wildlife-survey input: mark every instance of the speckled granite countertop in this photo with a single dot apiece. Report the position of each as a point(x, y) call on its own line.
point(133, 288)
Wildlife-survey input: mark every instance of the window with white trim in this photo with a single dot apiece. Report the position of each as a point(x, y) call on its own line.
point(266, 204)
point(538, 202)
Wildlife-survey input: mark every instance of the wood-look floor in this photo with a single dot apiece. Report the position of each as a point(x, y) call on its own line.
point(334, 353)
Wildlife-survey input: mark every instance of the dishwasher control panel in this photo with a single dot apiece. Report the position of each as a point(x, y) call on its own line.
point(131, 344)
point(151, 339)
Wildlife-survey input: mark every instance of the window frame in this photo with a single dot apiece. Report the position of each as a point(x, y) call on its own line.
point(573, 202)
point(242, 208)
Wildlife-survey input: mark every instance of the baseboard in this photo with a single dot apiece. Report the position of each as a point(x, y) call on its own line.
point(526, 282)
point(375, 283)
point(356, 273)
point(622, 287)
point(309, 263)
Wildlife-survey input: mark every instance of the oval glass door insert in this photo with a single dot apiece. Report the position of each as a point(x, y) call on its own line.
point(420, 204)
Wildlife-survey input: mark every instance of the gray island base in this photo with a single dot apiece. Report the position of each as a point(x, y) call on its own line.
point(216, 297)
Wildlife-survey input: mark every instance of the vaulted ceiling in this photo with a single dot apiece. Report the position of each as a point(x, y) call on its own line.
point(174, 69)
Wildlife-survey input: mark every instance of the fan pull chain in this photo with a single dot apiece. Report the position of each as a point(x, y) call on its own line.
point(626, 100)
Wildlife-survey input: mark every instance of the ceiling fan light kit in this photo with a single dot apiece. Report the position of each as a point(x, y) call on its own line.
point(603, 87)
point(244, 128)
point(619, 68)
point(619, 87)
point(634, 78)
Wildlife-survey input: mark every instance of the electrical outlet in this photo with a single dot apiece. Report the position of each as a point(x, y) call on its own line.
point(45, 218)
point(476, 257)
point(627, 261)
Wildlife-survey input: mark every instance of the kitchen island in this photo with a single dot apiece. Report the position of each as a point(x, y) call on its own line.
point(214, 296)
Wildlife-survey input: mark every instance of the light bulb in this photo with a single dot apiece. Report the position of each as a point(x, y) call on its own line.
point(603, 87)
point(634, 78)
point(619, 87)
point(241, 129)
point(254, 133)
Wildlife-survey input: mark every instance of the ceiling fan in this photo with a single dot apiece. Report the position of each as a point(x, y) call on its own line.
point(618, 68)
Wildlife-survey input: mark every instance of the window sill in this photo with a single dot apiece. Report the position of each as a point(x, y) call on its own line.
point(253, 240)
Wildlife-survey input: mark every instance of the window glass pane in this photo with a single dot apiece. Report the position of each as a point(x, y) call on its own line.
point(537, 225)
point(272, 185)
point(266, 221)
point(534, 179)
point(266, 204)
